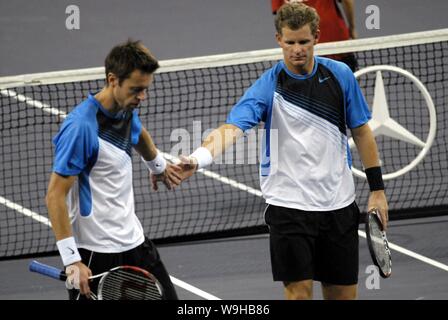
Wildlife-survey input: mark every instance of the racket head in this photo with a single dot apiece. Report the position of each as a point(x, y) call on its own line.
point(129, 283)
point(378, 244)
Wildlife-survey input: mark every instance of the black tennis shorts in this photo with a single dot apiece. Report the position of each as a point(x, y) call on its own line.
point(321, 246)
point(145, 256)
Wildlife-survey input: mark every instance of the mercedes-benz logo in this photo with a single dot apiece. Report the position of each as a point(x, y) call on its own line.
point(382, 124)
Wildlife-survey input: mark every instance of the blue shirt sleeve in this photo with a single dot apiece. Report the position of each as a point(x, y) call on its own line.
point(358, 112)
point(76, 145)
point(254, 104)
point(136, 128)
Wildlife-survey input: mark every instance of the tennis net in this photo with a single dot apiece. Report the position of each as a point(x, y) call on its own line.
point(190, 96)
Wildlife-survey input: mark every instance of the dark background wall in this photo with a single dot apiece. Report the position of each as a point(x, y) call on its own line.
point(33, 36)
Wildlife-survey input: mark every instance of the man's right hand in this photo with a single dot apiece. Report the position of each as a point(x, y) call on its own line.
point(189, 165)
point(78, 277)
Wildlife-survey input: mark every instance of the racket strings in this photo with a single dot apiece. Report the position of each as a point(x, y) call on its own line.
point(127, 289)
point(380, 246)
point(127, 285)
point(377, 237)
point(118, 290)
point(128, 293)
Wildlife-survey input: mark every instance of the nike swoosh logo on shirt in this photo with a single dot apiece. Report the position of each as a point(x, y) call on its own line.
point(324, 79)
point(71, 250)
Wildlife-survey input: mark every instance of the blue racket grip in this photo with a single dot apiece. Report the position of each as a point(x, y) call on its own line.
point(47, 270)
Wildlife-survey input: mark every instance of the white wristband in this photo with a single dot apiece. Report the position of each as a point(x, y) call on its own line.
point(203, 156)
point(68, 251)
point(156, 165)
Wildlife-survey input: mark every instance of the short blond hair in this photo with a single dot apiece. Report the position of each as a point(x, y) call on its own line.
point(295, 16)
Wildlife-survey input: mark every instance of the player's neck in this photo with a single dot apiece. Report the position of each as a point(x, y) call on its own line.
point(106, 98)
point(301, 71)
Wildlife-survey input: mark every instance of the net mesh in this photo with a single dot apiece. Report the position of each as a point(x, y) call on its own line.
point(185, 103)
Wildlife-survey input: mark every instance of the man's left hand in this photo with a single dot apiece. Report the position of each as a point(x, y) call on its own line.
point(377, 199)
point(170, 177)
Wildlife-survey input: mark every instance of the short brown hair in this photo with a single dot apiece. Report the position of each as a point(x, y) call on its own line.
point(296, 16)
point(124, 58)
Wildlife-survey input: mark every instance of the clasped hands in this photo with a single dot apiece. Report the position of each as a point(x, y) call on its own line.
point(175, 173)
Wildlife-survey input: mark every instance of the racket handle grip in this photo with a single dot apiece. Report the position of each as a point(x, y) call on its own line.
point(47, 270)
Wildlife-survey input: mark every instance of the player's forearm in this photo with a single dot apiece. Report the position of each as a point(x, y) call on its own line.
point(58, 188)
point(215, 144)
point(221, 138)
point(366, 146)
point(60, 222)
point(368, 152)
point(349, 10)
point(57, 210)
point(151, 157)
point(146, 146)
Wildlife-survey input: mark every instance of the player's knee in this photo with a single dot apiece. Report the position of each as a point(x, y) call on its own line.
point(343, 296)
point(333, 292)
point(302, 290)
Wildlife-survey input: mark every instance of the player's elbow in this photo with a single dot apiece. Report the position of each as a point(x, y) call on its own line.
point(362, 133)
point(51, 198)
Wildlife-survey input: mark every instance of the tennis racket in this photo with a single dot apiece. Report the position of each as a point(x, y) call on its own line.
point(119, 283)
point(378, 244)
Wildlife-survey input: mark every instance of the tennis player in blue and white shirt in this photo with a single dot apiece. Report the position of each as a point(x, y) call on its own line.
point(90, 196)
point(309, 102)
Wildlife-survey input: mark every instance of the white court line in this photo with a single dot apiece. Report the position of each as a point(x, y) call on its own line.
point(24, 211)
point(193, 289)
point(54, 111)
point(212, 175)
point(233, 183)
point(46, 221)
point(411, 254)
point(33, 103)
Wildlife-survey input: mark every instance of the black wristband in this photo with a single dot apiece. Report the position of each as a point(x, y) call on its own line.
point(375, 178)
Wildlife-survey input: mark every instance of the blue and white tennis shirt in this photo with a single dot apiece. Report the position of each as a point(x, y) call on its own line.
point(96, 146)
point(308, 166)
